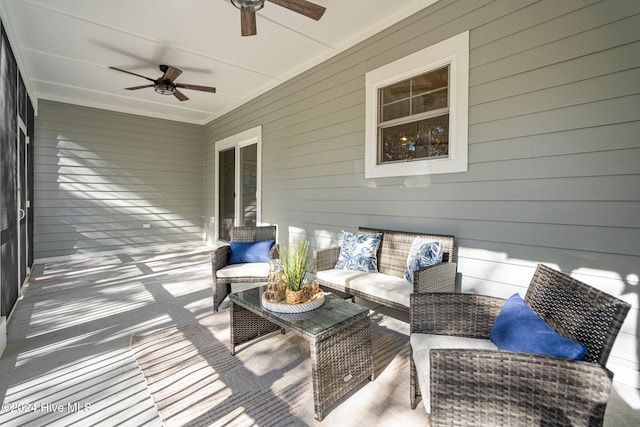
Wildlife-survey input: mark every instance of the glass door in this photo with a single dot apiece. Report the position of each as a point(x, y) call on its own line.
point(238, 182)
point(23, 265)
point(248, 185)
point(227, 192)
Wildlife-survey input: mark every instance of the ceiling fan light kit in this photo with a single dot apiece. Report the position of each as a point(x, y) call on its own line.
point(164, 88)
point(248, 5)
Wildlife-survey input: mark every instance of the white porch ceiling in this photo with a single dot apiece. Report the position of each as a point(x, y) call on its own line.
point(64, 48)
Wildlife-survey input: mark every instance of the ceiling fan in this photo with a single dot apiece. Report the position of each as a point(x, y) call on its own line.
point(165, 84)
point(248, 10)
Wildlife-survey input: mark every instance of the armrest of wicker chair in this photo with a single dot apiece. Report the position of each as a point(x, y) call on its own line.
point(484, 387)
point(465, 315)
point(435, 278)
point(325, 259)
point(219, 259)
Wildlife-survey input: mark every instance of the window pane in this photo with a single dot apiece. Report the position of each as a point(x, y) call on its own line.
point(430, 91)
point(429, 102)
point(248, 184)
point(415, 140)
point(227, 183)
point(395, 92)
point(433, 80)
point(395, 110)
point(426, 92)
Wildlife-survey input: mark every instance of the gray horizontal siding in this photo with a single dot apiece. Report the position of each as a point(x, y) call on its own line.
point(554, 119)
point(101, 175)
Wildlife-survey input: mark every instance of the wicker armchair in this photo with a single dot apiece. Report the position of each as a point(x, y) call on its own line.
point(491, 387)
point(220, 258)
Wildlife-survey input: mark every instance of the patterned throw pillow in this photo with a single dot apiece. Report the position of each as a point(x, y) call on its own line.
point(359, 252)
point(422, 254)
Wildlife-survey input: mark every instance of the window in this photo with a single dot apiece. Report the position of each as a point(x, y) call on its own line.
point(417, 112)
point(238, 181)
point(413, 118)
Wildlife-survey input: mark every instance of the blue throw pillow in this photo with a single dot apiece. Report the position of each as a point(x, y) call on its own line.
point(359, 252)
point(422, 254)
point(242, 252)
point(518, 328)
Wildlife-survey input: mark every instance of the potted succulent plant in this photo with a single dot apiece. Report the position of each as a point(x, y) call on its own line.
point(295, 268)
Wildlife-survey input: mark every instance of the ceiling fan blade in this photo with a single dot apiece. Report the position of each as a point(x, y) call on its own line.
point(196, 87)
point(248, 23)
point(303, 7)
point(181, 96)
point(132, 73)
point(171, 74)
point(138, 87)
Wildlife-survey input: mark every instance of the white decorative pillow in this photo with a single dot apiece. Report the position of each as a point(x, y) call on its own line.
point(359, 252)
point(422, 254)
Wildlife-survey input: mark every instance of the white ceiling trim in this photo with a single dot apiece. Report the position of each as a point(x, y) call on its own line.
point(122, 109)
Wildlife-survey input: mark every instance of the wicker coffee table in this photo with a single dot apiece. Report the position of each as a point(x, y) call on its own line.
point(339, 334)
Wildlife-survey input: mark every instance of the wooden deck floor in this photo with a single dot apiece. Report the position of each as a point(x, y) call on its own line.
point(67, 360)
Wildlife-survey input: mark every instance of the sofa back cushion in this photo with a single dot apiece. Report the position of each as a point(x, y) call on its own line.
point(394, 248)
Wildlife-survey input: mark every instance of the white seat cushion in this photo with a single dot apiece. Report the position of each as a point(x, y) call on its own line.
point(421, 344)
point(251, 269)
point(381, 285)
point(340, 277)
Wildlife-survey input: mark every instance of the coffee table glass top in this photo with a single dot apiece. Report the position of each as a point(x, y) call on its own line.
point(333, 312)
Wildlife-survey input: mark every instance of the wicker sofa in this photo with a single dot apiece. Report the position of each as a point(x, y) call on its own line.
point(389, 287)
point(471, 384)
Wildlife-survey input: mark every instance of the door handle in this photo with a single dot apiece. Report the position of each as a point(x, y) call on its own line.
point(21, 214)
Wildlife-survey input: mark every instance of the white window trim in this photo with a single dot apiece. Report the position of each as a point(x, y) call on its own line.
point(237, 141)
point(453, 52)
